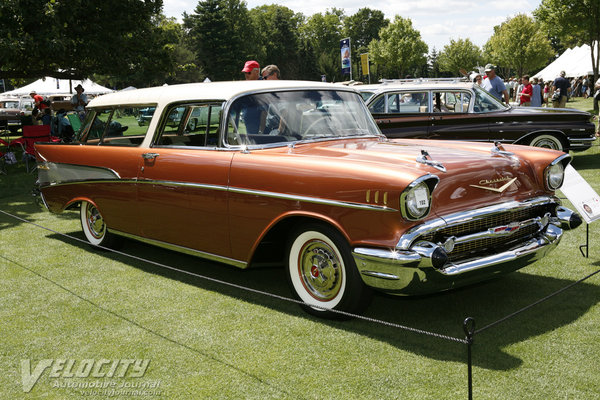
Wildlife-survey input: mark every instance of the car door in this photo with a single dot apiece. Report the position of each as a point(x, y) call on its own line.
point(451, 118)
point(401, 113)
point(183, 182)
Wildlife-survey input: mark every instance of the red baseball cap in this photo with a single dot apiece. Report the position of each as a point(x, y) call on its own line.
point(250, 65)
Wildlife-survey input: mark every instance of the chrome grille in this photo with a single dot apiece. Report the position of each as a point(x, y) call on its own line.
point(489, 245)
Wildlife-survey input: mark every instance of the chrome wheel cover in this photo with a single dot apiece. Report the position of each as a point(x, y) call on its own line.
point(320, 270)
point(95, 222)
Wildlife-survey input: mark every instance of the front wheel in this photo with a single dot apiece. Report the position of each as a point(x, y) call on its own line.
point(323, 274)
point(547, 142)
point(94, 227)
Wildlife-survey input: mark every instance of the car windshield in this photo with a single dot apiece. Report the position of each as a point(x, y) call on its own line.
point(366, 95)
point(281, 117)
point(485, 102)
point(11, 104)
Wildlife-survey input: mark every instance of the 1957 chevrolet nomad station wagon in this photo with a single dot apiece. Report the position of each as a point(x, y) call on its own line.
point(298, 174)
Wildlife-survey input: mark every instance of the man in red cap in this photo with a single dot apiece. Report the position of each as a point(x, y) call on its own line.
point(251, 70)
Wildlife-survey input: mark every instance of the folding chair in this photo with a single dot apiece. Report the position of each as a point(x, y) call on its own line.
point(31, 135)
point(3, 157)
point(75, 122)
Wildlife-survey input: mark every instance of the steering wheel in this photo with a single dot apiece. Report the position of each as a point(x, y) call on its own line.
point(335, 121)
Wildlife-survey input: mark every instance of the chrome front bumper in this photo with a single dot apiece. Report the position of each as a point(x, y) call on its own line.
point(420, 267)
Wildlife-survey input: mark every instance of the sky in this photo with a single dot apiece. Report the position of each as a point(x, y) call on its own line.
point(438, 21)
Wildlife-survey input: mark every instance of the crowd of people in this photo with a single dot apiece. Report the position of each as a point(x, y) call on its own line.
point(60, 126)
point(523, 91)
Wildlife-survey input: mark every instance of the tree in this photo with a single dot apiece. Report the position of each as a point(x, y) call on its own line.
point(576, 22)
point(459, 54)
point(399, 49)
point(323, 33)
point(74, 39)
point(276, 34)
point(434, 66)
point(519, 44)
point(220, 34)
point(362, 28)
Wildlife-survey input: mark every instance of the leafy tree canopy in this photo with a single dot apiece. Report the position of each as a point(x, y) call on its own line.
point(459, 54)
point(519, 44)
point(400, 48)
point(573, 22)
point(75, 38)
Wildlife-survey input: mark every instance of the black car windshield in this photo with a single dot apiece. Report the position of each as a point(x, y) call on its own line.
point(485, 102)
point(287, 116)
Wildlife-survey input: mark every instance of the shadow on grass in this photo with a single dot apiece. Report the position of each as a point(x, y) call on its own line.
point(441, 313)
point(585, 161)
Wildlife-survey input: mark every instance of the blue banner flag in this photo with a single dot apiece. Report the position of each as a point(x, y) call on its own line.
point(345, 49)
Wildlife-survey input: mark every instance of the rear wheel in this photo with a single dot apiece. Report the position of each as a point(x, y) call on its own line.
point(547, 142)
point(323, 274)
point(94, 227)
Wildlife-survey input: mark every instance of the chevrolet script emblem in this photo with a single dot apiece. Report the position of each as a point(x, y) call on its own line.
point(493, 189)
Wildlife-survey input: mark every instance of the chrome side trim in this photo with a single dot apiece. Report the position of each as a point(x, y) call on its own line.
point(314, 200)
point(55, 174)
point(50, 173)
point(464, 216)
point(185, 250)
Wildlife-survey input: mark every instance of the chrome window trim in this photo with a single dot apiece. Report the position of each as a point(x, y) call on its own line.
point(461, 217)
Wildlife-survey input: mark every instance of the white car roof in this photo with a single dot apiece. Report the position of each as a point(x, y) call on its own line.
point(204, 91)
point(416, 85)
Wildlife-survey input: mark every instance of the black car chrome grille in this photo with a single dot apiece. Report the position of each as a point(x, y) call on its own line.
point(494, 244)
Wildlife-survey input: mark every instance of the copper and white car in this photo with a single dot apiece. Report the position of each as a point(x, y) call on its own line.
point(298, 174)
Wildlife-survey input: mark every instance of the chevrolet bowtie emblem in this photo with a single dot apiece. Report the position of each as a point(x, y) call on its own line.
point(498, 190)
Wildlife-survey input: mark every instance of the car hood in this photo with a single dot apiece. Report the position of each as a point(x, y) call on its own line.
point(472, 175)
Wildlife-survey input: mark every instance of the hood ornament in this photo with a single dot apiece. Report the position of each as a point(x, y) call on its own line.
point(426, 159)
point(493, 189)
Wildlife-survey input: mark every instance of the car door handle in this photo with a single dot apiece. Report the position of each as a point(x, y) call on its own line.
point(149, 156)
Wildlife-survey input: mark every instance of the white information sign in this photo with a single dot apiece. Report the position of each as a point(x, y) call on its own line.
point(581, 194)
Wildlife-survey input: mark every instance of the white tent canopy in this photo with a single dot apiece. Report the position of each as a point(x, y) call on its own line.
point(575, 62)
point(49, 86)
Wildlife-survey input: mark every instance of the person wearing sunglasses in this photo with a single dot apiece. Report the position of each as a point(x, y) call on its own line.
point(270, 72)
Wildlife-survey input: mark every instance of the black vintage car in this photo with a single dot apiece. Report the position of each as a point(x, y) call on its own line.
point(450, 109)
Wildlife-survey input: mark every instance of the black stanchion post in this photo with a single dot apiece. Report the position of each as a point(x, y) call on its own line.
point(586, 246)
point(469, 328)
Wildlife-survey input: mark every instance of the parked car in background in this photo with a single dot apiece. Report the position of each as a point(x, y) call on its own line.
point(10, 115)
point(297, 174)
point(455, 110)
point(60, 102)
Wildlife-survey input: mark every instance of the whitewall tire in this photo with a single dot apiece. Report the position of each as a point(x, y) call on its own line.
point(94, 227)
point(547, 142)
point(323, 274)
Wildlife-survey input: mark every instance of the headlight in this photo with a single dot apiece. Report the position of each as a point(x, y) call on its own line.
point(416, 201)
point(555, 172)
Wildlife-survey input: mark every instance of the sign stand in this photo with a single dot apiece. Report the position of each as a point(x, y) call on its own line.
point(585, 200)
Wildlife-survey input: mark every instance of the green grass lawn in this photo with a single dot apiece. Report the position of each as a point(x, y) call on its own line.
point(60, 299)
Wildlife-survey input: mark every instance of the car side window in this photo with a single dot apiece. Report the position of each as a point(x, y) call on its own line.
point(190, 125)
point(377, 106)
point(408, 102)
point(401, 102)
point(118, 126)
point(451, 102)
